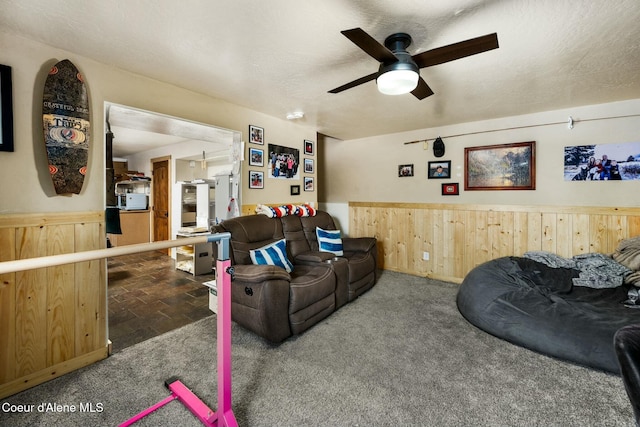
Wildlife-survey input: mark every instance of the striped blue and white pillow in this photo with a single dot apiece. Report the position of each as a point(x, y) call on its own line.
point(272, 254)
point(329, 241)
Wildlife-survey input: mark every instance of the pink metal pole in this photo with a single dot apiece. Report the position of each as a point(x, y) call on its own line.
point(225, 413)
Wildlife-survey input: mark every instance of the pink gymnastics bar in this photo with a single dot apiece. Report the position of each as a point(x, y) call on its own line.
point(224, 416)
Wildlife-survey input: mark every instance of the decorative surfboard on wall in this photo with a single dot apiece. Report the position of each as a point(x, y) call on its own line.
point(65, 117)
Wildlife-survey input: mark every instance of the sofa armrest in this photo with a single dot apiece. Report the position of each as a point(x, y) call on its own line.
point(313, 257)
point(358, 244)
point(259, 273)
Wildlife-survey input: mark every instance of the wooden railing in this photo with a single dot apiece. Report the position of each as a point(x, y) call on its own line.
point(460, 237)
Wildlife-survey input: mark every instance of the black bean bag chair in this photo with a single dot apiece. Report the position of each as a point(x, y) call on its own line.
point(537, 307)
point(627, 345)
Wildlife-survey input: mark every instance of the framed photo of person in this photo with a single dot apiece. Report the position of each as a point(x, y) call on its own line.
point(256, 179)
point(308, 165)
point(440, 169)
point(283, 162)
point(256, 157)
point(405, 170)
point(308, 183)
point(256, 135)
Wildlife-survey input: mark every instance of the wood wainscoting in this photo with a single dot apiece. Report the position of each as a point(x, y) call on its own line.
point(459, 237)
point(52, 320)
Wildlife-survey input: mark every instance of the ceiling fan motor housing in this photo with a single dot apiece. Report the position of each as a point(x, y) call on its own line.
point(398, 44)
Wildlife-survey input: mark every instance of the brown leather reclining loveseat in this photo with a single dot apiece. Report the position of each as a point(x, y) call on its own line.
point(277, 304)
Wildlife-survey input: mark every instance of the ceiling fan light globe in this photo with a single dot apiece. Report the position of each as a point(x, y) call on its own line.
point(397, 82)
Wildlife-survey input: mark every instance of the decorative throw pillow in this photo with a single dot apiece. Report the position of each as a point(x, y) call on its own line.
point(264, 210)
point(329, 241)
point(279, 211)
point(310, 210)
point(284, 210)
point(272, 254)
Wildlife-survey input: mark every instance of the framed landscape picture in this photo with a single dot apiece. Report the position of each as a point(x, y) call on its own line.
point(500, 167)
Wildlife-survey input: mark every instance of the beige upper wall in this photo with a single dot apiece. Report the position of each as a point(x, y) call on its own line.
point(367, 169)
point(26, 185)
point(356, 170)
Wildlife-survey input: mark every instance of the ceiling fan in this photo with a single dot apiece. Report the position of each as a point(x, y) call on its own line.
point(399, 72)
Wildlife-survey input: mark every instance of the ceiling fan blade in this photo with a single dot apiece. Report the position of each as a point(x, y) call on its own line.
point(422, 90)
point(370, 45)
point(355, 83)
point(456, 51)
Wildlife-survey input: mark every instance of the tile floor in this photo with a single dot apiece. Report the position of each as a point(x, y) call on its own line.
point(147, 296)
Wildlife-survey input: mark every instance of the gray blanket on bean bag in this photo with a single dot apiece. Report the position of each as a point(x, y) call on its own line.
point(531, 304)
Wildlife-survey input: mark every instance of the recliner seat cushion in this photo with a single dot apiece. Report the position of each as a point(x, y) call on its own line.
point(311, 296)
point(308, 285)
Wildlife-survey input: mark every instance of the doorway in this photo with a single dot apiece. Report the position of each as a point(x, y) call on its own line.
point(147, 295)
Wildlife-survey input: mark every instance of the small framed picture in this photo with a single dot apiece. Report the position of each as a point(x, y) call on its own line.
point(256, 179)
point(6, 109)
point(440, 169)
point(451, 189)
point(308, 165)
point(405, 170)
point(308, 183)
point(308, 147)
point(256, 135)
point(295, 190)
point(256, 157)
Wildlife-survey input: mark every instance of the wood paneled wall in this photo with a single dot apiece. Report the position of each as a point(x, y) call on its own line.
point(52, 320)
point(460, 237)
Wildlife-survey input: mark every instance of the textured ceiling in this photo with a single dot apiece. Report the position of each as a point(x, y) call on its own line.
point(280, 56)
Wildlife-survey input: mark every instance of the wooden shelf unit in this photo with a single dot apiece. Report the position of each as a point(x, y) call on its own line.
point(195, 259)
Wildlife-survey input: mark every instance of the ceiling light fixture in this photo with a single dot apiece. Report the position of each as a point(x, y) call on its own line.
point(295, 115)
point(401, 76)
point(397, 82)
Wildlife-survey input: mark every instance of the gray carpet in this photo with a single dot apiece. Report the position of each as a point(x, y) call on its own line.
point(401, 355)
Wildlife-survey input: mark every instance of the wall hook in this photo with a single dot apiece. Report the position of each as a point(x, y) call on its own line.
point(570, 122)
